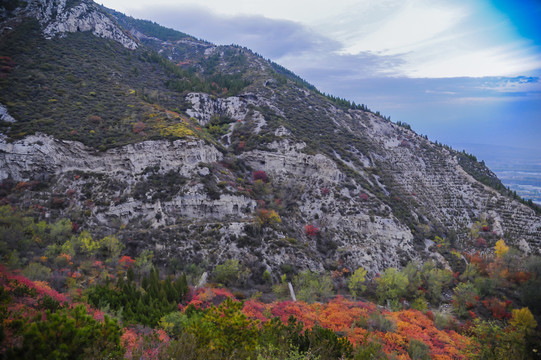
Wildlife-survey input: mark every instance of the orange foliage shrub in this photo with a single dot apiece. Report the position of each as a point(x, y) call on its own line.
point(342, 315)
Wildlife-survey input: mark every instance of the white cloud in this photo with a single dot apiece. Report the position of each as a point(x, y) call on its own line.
point(433, 38)
point(406, 27)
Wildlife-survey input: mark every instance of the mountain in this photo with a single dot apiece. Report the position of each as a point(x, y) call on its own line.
point(203, 153)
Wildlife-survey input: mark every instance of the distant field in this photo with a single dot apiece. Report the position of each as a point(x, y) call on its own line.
point(519, 169)
point(527, 183)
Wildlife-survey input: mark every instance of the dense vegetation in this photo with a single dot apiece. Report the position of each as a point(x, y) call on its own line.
point(114, 97)
point(68, 295)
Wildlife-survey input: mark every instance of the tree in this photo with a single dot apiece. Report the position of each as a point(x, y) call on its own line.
point(231, 272)
point(69, 334)
point(464, 298)
point(435, 280)
point(501, 248)
point(311, 286)
point(523, 320)
point(112, 246)
point(88, 245)
point(356, 282)
point(392, 285)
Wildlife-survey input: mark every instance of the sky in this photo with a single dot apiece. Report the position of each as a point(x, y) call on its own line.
point(461, 72)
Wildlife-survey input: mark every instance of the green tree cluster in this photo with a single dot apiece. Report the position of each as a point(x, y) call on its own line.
point(69, 334)
point(146, 303)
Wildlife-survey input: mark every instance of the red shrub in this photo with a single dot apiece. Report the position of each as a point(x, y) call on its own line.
point(498, 308)
point(480, 242)
point(311, 230)
point(260, 175)
point(363, 197)
point(126, 261)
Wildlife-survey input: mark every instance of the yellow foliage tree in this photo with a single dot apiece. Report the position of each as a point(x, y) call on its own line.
point(522, 319)
point(501, 249)
point(88, 245)
point(268, 217)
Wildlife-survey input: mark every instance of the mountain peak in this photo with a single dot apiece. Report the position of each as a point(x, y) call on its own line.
point(58, 17)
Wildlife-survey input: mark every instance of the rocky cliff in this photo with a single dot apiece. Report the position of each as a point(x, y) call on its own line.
point(58, 17)
point(200, 171)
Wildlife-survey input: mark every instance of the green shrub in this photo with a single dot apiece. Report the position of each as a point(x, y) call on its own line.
point(392, 285)
point(356, 282)
point(310, 286)
point(36, 271)
point(231, 272)
point(370, 350)
point(69, 334)
point(377, 321)
point(418, 350)
point(226, 331)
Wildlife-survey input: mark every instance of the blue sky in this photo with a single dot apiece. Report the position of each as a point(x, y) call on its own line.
point(462, 71)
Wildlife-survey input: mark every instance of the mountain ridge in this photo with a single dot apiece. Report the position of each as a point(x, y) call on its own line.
point(180, 141)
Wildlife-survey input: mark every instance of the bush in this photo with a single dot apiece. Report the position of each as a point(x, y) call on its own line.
point(464, 298)
point(378, 321)
point(231, 272)
point(281, 290)
point(36, 271)
point(444, 321)
point(69, 334)
point(356, 282)
point(418, 350)
point(311, 230)
point(392, 285)
point(260, 175)
point(370, 350)
point(311, 286)
point(172, 323)
point(226, 330)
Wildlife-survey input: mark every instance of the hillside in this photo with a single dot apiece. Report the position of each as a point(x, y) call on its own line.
point(159, 196)
point(204, 153)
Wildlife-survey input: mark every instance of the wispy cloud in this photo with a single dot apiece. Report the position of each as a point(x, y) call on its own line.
point(271, 38)
point(424, 38)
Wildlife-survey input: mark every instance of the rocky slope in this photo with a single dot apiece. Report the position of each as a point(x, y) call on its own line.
point(58, 17)
point(259, 140)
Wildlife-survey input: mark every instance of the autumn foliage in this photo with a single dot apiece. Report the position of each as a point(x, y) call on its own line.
point(260, 175)
point(311, 230)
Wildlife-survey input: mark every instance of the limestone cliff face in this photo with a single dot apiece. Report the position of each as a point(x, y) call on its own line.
point(356, 217)
point(43, 157)
point(43, 154)
point(58, 17)
point(378, 193)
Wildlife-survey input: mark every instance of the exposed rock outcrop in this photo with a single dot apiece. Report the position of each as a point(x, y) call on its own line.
point(58, 17)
